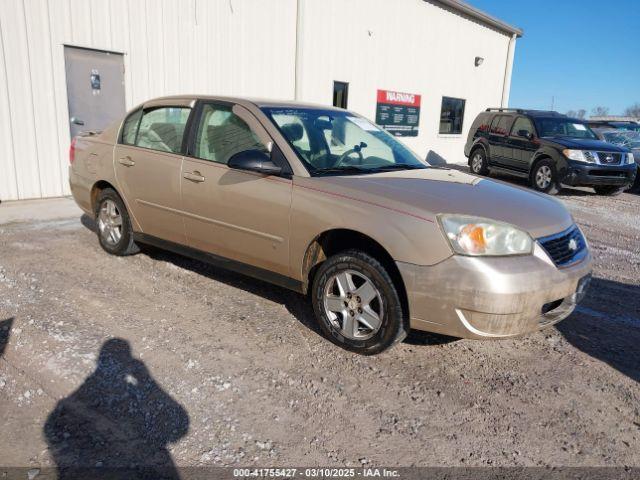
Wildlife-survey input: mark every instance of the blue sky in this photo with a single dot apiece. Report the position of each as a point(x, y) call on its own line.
point(586, 53)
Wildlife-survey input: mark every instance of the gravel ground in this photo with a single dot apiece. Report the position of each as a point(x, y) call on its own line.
point(156, 359)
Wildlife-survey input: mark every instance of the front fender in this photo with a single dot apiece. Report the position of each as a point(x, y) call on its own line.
point(559, 160)
point(406, 235)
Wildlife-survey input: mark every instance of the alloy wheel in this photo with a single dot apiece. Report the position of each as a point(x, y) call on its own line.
point(353, 305)
point(543, 177)
point(110, 222)
point(476, 163)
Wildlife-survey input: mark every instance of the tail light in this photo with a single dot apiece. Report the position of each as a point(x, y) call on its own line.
point(72, 150)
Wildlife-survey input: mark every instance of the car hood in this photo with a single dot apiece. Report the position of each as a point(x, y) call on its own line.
point(426, 193)
point(585, 144)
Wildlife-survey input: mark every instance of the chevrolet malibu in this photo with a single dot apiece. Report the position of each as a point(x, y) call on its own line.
point(321, 201)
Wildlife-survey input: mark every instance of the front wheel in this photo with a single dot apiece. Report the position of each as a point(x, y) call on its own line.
point(114, 225)
point(635, 188)
point(609, 190)
point(357, 304)
point(544, 177)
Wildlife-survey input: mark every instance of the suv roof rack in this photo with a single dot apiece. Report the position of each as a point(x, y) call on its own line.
point(524, 111)
point(517, 110)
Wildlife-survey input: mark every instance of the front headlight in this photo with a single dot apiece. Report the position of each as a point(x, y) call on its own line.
point(578, 156)
point(630, 159)
point(484, 237)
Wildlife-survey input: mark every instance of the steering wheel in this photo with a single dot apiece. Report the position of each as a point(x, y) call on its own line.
point(357, 149)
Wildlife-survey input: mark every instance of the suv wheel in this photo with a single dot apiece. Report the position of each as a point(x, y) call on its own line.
point(114, 226)
point(357, 304)
point(635, 187)
point(478, 163)
point(544, 177)
point(609, 190)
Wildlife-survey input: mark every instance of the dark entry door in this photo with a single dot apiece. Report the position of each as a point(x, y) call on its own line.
point(95, 88)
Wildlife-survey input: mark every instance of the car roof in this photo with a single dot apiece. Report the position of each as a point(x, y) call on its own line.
point(524, 111)
point(258, 102)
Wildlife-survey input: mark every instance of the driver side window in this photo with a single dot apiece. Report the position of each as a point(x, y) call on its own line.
point(522, 123)
point(221, 134)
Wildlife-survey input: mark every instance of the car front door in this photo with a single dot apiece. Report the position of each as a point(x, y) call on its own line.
point(523, 143)
point(148, 162)
point(238, 215)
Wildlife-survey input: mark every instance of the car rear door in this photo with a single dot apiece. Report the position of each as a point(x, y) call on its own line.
point(148, 163)
point(498, 134)
point(238, 215)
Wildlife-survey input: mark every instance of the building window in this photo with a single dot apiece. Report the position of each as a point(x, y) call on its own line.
point(340, 94)
point(451, 115)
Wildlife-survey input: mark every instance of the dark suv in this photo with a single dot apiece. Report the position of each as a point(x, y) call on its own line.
point(548, 149)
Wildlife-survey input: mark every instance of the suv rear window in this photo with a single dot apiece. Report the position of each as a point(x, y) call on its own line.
point(500, 125)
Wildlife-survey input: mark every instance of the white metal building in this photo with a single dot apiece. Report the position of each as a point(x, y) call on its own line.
point(450, 60)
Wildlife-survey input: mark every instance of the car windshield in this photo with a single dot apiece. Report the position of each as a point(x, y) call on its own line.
point(340, 142)
point(563, 127)
point(629, 139)
point(626, 126)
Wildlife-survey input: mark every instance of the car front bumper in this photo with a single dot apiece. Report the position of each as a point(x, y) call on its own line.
point(493, 297)
point(580, 174)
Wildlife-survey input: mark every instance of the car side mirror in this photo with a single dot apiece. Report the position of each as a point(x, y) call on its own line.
point(525, 134)
point(254, 161)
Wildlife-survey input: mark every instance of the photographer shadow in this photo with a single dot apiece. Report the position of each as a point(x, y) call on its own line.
point(5, 331)
point(118, 423)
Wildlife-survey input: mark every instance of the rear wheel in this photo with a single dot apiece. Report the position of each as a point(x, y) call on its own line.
point(609, 190)
point(114, 225)
point(478, 163)
point(544, 177)
point(356, 303)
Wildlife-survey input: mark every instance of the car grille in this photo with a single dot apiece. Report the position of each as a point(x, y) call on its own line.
point(565, 247)
point(605, 158)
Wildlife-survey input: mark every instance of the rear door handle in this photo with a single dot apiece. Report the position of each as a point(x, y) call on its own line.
point(126, 161)
point(194, 176)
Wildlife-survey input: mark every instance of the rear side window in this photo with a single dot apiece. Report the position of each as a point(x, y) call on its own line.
point(500, 125)
point(221, 134)
point(163, 128)
point(130, 128)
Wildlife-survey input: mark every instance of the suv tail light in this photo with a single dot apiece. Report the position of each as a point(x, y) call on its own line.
point(72, 150)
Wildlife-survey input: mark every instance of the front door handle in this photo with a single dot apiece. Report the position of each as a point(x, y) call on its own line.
point(126, 161)
point(194, 176)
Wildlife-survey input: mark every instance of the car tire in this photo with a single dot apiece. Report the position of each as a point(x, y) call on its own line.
point(357, 304)
point(478, 162)
point(544, 177)
point(609, 190)
point(635, 187)
point(113, 224)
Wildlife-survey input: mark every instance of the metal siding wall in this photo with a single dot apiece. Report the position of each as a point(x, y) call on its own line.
point(16, 56)
point(226, 47)
point(406, 45)
point(233, 47)
point(8, 180)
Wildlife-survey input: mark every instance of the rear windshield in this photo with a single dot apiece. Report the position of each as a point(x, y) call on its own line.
point(563, 127)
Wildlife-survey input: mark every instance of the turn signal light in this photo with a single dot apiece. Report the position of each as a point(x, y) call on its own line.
point(472, 238)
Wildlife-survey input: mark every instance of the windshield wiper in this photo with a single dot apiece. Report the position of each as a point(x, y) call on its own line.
point(345, 169)
point(397, 166)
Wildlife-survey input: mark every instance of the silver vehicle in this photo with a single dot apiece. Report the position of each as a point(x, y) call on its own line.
point(623, 138)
